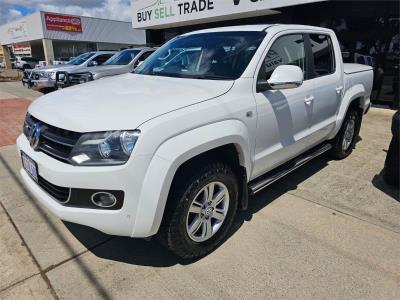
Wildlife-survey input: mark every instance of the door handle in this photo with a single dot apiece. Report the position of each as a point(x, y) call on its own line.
point(308, 99)
point(339, 89)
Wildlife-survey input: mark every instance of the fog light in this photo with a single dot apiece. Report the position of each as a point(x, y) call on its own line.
point(103, 199)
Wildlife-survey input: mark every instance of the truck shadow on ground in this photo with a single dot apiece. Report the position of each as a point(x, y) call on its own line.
point(152, 253)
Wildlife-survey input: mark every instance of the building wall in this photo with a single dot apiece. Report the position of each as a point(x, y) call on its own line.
point(72, 49)
point(99, 30)
point(22, 30)
point(33, 27)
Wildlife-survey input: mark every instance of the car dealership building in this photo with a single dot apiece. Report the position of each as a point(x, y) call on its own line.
point(49, 36)
point(368, 30)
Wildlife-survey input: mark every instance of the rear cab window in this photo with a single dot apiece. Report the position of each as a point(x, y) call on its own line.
point(322, 55)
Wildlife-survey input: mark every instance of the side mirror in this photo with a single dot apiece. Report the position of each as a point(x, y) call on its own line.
point(284, 77)
point(92, 63)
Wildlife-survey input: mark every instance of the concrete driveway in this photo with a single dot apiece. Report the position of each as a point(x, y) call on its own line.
point(329, 230)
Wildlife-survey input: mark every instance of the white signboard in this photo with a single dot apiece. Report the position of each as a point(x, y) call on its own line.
point(17, 31)
point(25, 29)
point(170, 13)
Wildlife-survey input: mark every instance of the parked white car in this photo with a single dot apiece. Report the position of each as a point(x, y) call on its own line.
point(176, 148)
point(25, 62)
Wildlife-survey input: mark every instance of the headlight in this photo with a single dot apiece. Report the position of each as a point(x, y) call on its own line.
point(104, 148)
point(43, 74)
point(52, 75)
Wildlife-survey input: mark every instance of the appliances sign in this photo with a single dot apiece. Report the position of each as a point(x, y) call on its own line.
point(65, 23)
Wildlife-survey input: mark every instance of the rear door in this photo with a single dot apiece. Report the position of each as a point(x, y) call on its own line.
point(326, 76)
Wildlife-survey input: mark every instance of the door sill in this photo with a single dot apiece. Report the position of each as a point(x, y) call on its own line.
point(267, 179)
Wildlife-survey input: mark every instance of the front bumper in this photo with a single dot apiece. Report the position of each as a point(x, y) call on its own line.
point(38, 85)
point(116, 222)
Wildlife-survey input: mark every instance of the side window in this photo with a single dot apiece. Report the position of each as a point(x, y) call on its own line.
point(101, 59)
point(286, 50)
point(145, 55)
point(323, 54)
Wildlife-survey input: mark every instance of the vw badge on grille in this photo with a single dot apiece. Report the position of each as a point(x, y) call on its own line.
point(34, 136)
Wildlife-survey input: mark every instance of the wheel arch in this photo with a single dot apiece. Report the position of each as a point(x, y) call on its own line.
point(354, 97)
point(228, 140)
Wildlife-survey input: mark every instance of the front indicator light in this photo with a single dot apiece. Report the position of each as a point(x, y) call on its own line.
point(128, 141)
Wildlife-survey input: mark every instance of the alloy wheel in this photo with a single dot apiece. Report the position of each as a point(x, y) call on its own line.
point(207, 211)
point(349, 134)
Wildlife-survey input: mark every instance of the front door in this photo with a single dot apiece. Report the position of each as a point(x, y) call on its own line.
point(283, 115)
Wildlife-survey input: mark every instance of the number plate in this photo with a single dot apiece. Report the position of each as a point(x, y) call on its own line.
point(30, 166)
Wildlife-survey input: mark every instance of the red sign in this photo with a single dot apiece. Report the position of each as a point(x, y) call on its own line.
point(22, 48)
point(63, 23)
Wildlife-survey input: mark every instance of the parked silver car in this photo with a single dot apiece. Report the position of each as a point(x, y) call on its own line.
point(44, 79)
point(122, 62)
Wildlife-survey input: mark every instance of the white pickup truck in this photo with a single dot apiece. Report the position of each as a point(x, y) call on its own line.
point(210, 118)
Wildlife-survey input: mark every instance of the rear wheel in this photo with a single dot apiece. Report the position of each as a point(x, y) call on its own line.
point(343, 143)
point(201, 210)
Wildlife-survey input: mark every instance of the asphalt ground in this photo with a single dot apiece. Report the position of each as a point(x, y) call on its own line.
point(330, 230)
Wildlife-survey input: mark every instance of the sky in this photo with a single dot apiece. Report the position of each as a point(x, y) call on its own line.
point(111, 9)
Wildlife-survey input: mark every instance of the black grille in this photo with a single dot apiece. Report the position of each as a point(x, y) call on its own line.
point(27, 74)
point(64, 79)
point(59, 193)
point(54, 141)
point(80, 78)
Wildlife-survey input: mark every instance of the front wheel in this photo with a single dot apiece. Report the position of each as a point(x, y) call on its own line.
point(25, 67)
point(201, 210)
point(343, 143)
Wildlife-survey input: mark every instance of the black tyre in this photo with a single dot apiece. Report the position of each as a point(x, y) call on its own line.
point(392, 165)
point(396, 125)
point(391, 171)
point(343, 143)
point(25, 67)
point(201, 208)
point(47, 90)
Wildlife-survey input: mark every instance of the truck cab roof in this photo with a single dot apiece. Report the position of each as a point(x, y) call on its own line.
point(259, 27)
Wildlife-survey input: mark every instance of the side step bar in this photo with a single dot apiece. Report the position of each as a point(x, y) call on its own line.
point(265, 180)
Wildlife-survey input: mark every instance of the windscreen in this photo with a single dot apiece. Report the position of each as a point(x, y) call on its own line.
point(81, 59)
point(122, 58)
point(214, 55)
